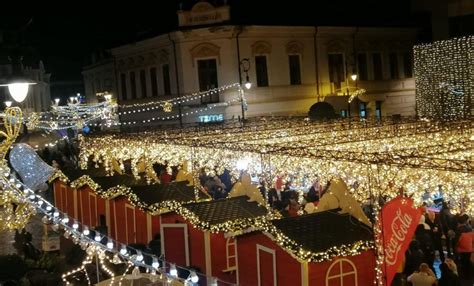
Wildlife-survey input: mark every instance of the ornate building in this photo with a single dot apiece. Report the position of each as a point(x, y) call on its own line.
point(290, 68)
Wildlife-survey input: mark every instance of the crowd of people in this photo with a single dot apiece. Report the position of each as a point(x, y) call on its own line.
point(440, 252)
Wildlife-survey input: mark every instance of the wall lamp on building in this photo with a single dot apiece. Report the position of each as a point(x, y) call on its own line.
point(245, 66)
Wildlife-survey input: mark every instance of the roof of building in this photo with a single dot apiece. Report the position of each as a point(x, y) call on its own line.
point(74, 174)
point(158, 193)
point(223, 210)
point(321, 231)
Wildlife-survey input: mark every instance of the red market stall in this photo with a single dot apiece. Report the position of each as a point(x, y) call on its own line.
point(320, 249)
point(200, 234)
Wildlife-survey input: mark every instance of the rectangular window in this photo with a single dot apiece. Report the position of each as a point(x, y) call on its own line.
point(261, 70)
point(165, 69)
point(295, 69)
point(377, 65)
point(362, 66)
point(143, 83)
point(362, 110)
point(207, 73)
point(154, 82)
point(408, 64)
point(393, 60)
point(123, 85)
point(336, 69)
point(378, 109)
point(133, 85)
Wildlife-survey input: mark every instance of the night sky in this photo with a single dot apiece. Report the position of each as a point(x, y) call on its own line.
point(65, 35)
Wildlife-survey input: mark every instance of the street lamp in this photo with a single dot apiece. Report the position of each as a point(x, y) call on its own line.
point(354, 76)
point(244, 65)
point(17, 84)
point(56, 100)
point(8, 103)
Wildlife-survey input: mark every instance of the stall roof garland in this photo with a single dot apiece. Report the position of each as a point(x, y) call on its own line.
point(126, 191)
point(383, 158)
point(109, 193)
point(58, 175)
point(235, 227)
point(298, 252)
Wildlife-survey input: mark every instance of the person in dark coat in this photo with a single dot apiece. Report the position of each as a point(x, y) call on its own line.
point(448, 226)
point(436, 233)
point(414, 258)
point(423, 236)
point(448, 278)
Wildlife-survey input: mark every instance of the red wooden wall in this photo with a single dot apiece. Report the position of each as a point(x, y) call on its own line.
point(288, 269)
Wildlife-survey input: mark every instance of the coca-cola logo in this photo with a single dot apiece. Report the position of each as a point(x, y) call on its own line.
point(399, 226)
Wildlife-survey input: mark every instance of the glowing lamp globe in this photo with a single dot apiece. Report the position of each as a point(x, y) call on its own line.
point(19, 90)
point(248, 84)
point(193, 277)
point(354, 77)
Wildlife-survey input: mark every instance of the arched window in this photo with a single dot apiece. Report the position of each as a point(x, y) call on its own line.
point(231, 253)
point(342, 272)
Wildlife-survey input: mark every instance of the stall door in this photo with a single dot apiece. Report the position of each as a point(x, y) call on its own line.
point(93, 210)
point(131, 229)
point(266, 266)
point(174, 243)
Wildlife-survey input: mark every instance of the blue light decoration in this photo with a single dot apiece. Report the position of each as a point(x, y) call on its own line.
point(86, 129)
point(211, 118)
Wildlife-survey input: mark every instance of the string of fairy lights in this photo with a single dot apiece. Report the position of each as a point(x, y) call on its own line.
point(444, 78)
point(152, 105)
point(77, 116)
point(169, 117)
point(412, 158)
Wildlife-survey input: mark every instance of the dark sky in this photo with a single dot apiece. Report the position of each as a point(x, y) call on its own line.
point(65, 35)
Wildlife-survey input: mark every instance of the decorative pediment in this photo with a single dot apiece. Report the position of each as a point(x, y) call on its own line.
point(205, 50)
point(163, 56)
point(140, 60)
point(121, 64)
point(336, 46)
point(201, 7)
point(363, 46)
point(294, 47)
point(261, 47)
point(130, 62)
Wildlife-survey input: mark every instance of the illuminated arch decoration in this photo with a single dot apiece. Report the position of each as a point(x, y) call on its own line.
point(340, 270)
point(205, 50)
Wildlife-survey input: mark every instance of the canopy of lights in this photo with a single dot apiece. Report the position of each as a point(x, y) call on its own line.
point(376, 158)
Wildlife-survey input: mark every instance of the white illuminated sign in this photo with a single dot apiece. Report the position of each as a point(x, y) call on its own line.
point(211, 118)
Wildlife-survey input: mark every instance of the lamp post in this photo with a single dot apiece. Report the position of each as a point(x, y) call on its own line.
point(244, 66)
point(353, 76)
